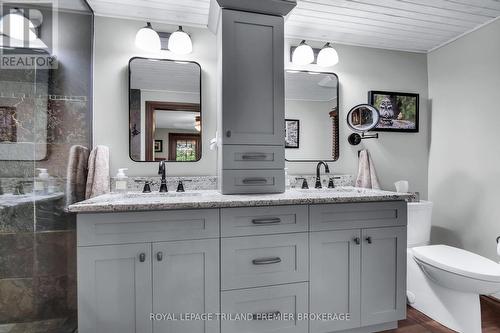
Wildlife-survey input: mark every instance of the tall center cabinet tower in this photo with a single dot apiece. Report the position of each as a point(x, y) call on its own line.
point(251, 94)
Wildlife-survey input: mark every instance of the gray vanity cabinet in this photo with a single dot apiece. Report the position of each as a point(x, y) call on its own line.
point(383, 283)
point(359, 271)
point(187, 272)
point(252, 51)
point(133, 264)
point(324, 259)
point(120, 285)
point(114, 289)
point(335, 277)
point(251, 111)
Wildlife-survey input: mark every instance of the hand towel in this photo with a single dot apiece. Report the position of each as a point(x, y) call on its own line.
point(367, 176)
point(76, 174)
point(98, 176)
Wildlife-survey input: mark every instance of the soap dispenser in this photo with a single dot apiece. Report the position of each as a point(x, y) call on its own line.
point(121, 180)
point(41, 182)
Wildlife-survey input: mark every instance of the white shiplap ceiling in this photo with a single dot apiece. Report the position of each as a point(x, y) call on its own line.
point(410, 25)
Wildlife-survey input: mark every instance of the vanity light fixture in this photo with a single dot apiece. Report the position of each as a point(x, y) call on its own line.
point(14, 25)
point(328, 56)
point(303, 54)
point(148, 39)
point(179, 42)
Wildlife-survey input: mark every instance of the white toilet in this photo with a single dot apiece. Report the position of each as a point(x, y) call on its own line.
point(445, 282)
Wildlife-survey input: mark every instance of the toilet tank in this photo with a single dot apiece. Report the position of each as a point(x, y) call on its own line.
point(419, 223)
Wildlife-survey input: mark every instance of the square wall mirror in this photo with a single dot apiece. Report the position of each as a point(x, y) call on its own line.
point(311, 116)
point(165, 118)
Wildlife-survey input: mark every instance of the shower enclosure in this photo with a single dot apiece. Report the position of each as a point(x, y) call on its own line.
point(45, 109)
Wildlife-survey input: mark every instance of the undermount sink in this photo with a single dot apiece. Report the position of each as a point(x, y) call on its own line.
point(334, 190)
point(132, 195)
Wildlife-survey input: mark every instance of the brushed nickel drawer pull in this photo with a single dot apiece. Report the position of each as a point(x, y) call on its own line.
point(266, 315)
point(266, 261)
point(264, 221)
point(254, 181)
point(159, 256)
point(253, 156)
point(142, 257)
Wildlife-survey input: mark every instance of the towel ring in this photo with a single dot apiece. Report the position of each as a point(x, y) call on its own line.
point(498, 239)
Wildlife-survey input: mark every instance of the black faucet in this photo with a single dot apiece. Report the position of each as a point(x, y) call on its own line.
point(162, 170)
point(318, 176)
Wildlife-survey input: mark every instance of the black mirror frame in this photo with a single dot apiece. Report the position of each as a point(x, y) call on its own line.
point(336, 136)
point(201, 108)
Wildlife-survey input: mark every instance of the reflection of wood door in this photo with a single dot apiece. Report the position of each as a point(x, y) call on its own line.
point(180, 141)
point(151, 107)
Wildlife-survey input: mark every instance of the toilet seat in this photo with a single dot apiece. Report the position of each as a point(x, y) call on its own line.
point(458, 261)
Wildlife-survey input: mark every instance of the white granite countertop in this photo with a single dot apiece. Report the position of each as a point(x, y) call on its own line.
point(11, 200)
point(134, 201)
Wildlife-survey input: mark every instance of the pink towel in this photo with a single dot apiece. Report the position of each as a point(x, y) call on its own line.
point(367, 176)
point(98, 176)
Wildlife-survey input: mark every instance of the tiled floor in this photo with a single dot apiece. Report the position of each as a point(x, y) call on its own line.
point(417, 322)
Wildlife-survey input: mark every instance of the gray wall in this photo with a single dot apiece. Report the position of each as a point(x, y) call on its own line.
point(397, 156)
point(114, 46)
point(464, 163)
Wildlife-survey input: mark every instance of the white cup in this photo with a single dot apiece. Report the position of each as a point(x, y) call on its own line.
point(401, 186)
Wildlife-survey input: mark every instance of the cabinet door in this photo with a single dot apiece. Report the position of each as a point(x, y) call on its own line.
point(383, 282)
point(186, 280)
point(114, 289)
point(252, 78)
point(335, 278)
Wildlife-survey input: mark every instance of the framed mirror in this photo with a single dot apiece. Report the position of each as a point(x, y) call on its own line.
point(311, 116)
point(165, 114)
point(363, 117)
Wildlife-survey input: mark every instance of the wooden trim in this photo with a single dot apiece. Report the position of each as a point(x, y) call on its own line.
point(151, 107)
point(172, 140)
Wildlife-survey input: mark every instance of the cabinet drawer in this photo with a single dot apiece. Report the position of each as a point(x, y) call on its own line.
point(253, 181)
point(139, 227)
point(357, 215)
point(285, 300)
point(264, 260)
point(263, 220)
point(253, 157)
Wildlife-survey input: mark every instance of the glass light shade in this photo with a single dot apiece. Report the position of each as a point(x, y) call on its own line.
point(303, 54)
point(179, 42)
point(328, 56)
point(14, 25)
point(147, 39)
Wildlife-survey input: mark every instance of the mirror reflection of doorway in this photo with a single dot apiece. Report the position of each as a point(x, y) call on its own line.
point(183, 147)
point(178, 126)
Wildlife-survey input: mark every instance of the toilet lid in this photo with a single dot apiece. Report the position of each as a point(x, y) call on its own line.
point(458, 261)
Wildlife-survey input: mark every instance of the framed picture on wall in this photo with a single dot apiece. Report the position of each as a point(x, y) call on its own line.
point(398, 111)
point(158, 146)
point(292, 133)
